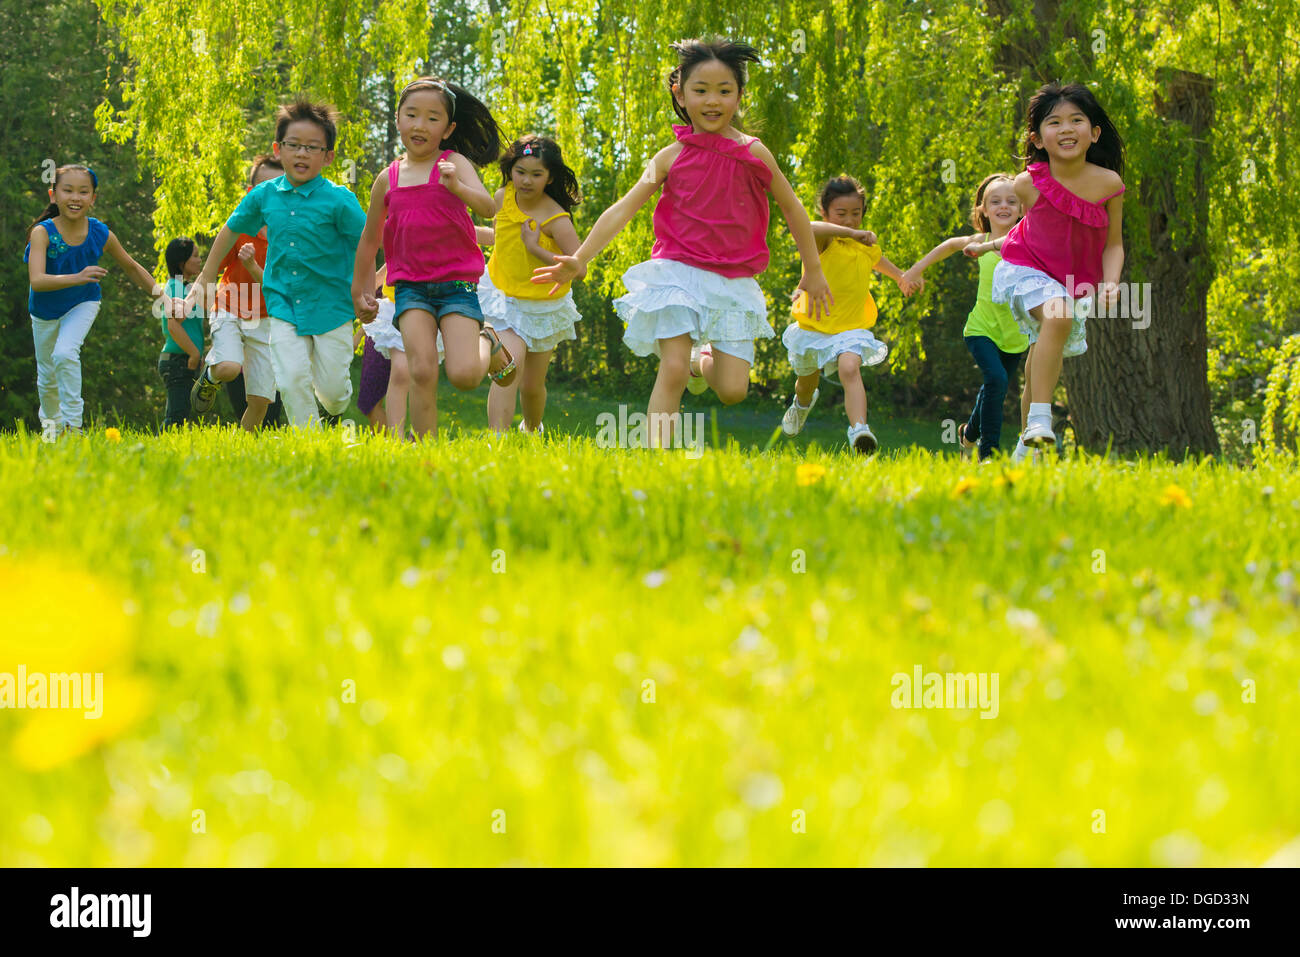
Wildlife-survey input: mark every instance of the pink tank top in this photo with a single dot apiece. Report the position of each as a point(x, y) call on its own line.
point(428, 235)
point(713, 211)
point(1062, 235)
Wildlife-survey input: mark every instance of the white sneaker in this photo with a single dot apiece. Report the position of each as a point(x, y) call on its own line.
point(1021, 451)
point(861, 439)
point(795, 416)
point(540, 428)
point(697, 384)
point(1039, 434)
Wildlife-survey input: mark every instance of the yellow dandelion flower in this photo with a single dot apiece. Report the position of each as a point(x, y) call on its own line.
point(964, 485)
point(809, 473)
point(1173, 495)
point(113, 435)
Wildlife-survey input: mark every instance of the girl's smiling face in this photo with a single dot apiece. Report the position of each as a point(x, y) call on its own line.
point(529, 176)
point(423, 122)
point(1066, 132)
point(710, 96)
point(1001, 206)
point(74, 194)
point(844, 211)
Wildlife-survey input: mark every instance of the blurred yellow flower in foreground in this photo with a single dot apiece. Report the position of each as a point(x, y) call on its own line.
point(113, 435)
point(809, 474)
point(1173, 495)
point(964, 485)
point(64, 621)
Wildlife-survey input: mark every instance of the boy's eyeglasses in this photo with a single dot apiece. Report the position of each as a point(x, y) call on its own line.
point(303, 148)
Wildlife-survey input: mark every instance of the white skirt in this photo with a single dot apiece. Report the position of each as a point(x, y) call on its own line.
point(811, 351)
point(387, 336)
point(542, 323)
point(1023, 288)
point(666, 299)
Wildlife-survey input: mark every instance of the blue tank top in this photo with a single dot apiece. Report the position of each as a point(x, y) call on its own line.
point(64, 260)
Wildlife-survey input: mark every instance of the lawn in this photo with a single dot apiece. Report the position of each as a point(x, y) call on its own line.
point(525, 651)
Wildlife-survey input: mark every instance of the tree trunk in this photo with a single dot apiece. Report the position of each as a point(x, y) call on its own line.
point(1146, 388)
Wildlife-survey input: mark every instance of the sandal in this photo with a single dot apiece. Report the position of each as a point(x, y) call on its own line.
point(506, 374)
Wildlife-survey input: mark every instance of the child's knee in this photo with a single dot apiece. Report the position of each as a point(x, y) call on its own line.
point(422, 372)
point(730, 393)
point(850, 364)
point(225, 371)
point(464, 376)
point(675, 369)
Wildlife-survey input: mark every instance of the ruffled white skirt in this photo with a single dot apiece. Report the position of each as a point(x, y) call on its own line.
point(810, 351)
point(542, 323)
point(387, 336)
point(1023, 288)
point(666, 299)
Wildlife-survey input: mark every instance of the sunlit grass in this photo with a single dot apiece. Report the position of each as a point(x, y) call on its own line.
point(641, 658)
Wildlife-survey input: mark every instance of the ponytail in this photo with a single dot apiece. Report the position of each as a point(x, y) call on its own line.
point(51, 211)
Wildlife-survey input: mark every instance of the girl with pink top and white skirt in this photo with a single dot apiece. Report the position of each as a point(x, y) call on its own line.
point(698, 287)
point(418, 208)
point(1064, 257)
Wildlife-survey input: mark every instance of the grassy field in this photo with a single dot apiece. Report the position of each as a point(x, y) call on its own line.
point(541, 652)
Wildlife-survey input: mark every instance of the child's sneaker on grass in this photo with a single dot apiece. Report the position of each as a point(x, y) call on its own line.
point(540, 428)
point(1039, 433)
point(861, 439)
point(697, 384)
point(795, 416)
point(203, 394)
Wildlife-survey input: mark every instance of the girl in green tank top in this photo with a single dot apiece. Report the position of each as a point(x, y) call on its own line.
point(991, 333)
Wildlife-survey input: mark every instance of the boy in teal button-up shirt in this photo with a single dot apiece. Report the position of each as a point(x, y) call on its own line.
point(313, 227)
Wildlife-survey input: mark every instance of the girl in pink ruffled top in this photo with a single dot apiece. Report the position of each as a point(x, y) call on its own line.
point(698, 288)
point(1063, 259)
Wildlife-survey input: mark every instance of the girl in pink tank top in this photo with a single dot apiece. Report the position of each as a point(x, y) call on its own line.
point(698, 288)
point(1062, 261)
point(418, 210)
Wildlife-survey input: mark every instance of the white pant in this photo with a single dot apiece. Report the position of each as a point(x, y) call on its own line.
point(58, 363)
point(312, 367)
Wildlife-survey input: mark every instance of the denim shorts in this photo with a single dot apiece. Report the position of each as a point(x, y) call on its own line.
point(438, 298)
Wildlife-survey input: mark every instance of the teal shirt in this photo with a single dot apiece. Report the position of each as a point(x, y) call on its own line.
point(192, 324)
point(312, 235)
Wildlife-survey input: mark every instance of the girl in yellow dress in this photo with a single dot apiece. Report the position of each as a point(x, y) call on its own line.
point(533, 223)
point(840, 343)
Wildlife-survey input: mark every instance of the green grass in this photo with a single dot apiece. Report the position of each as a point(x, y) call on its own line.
point(500, 605)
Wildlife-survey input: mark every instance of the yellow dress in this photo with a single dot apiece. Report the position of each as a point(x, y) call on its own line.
point(848, 266)
point(511, 264)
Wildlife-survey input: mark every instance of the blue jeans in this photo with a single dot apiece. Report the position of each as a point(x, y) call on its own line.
point(999, 370)
point(437, 298)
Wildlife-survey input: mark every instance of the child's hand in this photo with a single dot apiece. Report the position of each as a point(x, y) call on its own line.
point(531, 234)
point(247, 252)
point(820, 299)
point(178, 308)
point(911, 282)
point(974, 249)
point(866, 237)
point(367, 307)
point(1108, 294)
point(565, 269)
point(91, 274)
point(447, 176)
point(194, 360)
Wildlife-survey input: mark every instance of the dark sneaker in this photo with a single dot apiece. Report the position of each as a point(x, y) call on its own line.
point(203, 395)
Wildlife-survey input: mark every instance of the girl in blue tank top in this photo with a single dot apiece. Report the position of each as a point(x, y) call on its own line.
point(62, 256)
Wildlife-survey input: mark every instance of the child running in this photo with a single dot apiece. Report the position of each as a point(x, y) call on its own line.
point(182, 351)
point(312, 229)
point(533, 224)
point(241, 333)
point(64, 246)
point(991, 333)
point(840, 343)
point(710, 240)
point(1065, 256)
point(418, 208)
